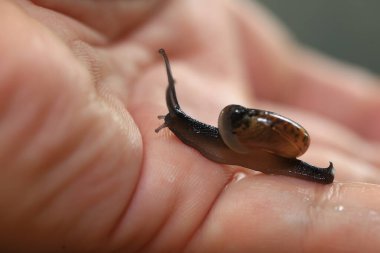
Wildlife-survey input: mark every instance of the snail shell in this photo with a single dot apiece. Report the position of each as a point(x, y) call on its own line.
point(243, 129)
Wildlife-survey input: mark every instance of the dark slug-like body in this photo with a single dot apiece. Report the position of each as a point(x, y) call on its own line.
point(208, 141)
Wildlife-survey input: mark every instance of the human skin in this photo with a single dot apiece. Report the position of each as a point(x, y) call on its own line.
point(82, 170)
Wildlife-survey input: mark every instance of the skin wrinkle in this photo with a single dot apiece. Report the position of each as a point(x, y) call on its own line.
point(25, 133)
point(54, 190)
point(202, 221)
point(159, 228)
point(208, 212)
point(118, 220)
point(5, 101)
point(114, 229)
point(124, 216)
point(81, 168)
point(154, 237)
point(54, 151)
point(89, 164)
point(35, 112)
point(31, 131)
point(93, 162)
point(97, 198)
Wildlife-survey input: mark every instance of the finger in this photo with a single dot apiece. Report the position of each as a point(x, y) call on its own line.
point(274, 214)
point(111, 18)
point(283, 72)
point(342, 93)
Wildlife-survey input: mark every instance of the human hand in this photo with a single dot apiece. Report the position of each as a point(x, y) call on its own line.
point(82, 169)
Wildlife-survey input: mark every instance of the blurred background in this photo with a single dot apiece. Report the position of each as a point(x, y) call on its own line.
point(345, 29)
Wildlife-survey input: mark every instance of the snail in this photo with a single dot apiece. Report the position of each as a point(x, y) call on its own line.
point(256, 139)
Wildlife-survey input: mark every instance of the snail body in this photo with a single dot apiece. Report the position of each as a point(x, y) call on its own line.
point(255, 139)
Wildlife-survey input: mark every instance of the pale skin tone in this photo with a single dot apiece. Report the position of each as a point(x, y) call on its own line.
point(81, 85)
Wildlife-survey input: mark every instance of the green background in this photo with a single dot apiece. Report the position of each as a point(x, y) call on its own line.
point(345, 29)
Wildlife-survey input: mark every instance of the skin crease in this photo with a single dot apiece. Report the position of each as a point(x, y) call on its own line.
point(82, 169)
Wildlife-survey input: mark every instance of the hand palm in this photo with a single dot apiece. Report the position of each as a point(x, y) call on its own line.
point(83, 167)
